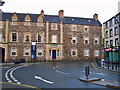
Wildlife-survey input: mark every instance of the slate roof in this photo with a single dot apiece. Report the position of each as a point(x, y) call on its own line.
point(53, 19)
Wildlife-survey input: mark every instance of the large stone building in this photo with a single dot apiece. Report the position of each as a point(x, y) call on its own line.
point(49, 37)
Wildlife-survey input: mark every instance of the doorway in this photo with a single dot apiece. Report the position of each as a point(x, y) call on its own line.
point(53, 54)
point(2, 55)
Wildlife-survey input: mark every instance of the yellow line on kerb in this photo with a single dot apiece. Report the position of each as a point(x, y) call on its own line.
point(21, 85)
point(103, 69)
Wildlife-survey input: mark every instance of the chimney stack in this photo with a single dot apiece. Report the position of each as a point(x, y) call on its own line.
point(61, 13)
point(42, 13)
point(95, 16)
point(118, 6)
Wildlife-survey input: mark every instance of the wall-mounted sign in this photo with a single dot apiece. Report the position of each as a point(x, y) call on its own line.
point(53, 45)
point(109, 49)
point(33, 50)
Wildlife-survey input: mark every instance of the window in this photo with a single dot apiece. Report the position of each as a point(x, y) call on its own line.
point(49, 52)
point(27, 22)
point(14, 21)
point(86, 28)
point(40, 22)
point(111, 43)
point(116, 31)
point(86, 40)
point(0, 24)
point(27, 39)
point(0, 37)
point(96, 53)
point(26, 52)
point(86, 52)
point(39, 38)
point(116, 42)
point(110, 23)
point(57, 52)
point(106, 44)
point(96, 40)
point(74, 39)
point(54, 26)
point(14, 37)
point(39, 52)
point(116, 20)
point(74, 52)
point(74, 28)
point(54, 39)
point(13, 52)
point(111, 32)
point(106, 34)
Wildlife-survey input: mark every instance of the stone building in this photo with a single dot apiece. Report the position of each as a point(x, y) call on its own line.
point(49, 37)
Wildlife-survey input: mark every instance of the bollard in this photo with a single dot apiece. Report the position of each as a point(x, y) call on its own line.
point(86, 71)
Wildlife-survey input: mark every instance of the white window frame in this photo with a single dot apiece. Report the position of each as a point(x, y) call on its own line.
point(54, 39)
point(85, 28)
point(39, 51)
point(27, 22)
point(74, 50)
point(96, 39)
point(86, 52)
point(74, 38)
point(96, 52)
point(14, 51)
point(0, 24)
point(14, 21)
point(28, 51)
point(86, 38)
point(12, 37)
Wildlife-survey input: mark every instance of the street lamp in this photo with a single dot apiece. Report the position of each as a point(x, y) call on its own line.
point(1, 3)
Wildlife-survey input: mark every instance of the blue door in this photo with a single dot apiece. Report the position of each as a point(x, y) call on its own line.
point(53, 54)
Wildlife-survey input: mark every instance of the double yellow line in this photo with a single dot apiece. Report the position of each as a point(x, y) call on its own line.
point(21, 85)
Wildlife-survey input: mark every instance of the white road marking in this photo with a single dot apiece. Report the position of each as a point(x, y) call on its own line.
point(61, 72)
point(44, 80)
point(55, 67)
point(100, 73)
point(11, 74)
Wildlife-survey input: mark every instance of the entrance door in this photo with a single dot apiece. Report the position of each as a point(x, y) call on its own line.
point(53, 54)
point(2, 55)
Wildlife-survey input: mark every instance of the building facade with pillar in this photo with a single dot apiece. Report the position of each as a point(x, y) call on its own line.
point(49, 37)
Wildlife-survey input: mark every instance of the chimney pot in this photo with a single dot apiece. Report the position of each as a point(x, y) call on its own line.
point(61, 13)
point(95, 16)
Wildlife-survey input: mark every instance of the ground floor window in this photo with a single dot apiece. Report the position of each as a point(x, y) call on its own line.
point(26, 52)
point(13, 51)
point(74, 52)
point(39, 52)
point(86, 52)
point(49, 52)
point(57, 52)
point(96, 53)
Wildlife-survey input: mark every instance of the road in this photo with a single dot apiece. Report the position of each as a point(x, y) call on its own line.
point(54, 75)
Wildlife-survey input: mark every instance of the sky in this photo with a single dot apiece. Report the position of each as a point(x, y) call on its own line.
point(105, 9)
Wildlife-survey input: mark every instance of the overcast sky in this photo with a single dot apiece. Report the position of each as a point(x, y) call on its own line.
point(75, 8)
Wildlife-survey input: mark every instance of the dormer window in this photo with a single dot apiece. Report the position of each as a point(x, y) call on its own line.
point(14, 21)
point(40, 22)
point(27, 22)
point(54, 26)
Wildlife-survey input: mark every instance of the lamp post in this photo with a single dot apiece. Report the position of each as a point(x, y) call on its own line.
point(1, 3)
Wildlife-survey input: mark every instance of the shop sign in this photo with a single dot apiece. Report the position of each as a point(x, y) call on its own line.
point(109, 49)
point(53, 45)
